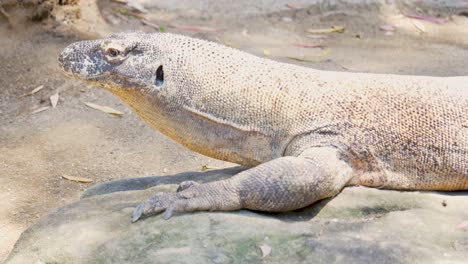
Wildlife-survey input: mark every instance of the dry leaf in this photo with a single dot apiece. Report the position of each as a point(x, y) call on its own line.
point(319, 36)
point(54, 100)
point(396, 17)
point(230, 44)
point(194, 28)
point(351, 68)
point(137, 6)
point(206, 167)
point(266, 52)
point(304, 59)
point(105, 109)
point(266, 250)
point(42, 109)
point(307, 45)
point(294, 5)
point(419, 25)
point(227, 43)
point(333, 29)
point(129, 13)
point(37, 89)
point(437, 20)
point(77, 179)
point(387, 28)
point(463, 225)
point(146, 22)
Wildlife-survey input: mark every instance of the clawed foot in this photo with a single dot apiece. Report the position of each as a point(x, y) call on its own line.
point(190, 196)
point(157, 204)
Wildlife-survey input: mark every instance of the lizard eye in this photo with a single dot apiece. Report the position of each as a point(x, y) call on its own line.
point(112, 52)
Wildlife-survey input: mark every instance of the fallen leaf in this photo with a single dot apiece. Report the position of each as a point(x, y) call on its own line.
point(419, 25)
point(77, 179)
point(37, 89)
point(387, 28)
point(206, 167)
point(307, 45)
point(463, 224)
point(137, 6)
point(304, 59)
point(230, 44)
point(437, 20)
point(333, 29)
point(266, 250)
point(294, 5)
point(148, 23)
point(194, 28)
point(397, 17)
point(266, 52)
point(105, 109)
point(351, 69)
point(129, 13)
point(54, 100)
point(227, 43)
point(319, 36)
point(42, 109)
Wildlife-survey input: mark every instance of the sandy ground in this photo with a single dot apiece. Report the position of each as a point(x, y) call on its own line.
point(36, 150)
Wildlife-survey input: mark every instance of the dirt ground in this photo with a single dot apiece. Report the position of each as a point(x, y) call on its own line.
point(36, 150)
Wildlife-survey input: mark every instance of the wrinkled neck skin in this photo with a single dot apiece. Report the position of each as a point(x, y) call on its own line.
point(197, 132)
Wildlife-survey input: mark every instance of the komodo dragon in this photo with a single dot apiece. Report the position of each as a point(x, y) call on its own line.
point(306, 133)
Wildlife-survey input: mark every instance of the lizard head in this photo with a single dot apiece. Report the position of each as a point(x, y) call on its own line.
point(121, 61)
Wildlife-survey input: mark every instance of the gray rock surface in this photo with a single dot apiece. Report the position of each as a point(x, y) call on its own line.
point(360, 225)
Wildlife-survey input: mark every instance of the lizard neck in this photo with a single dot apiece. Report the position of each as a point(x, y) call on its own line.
point(199, 131)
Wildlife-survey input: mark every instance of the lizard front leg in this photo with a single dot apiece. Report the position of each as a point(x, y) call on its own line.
point(280, 185)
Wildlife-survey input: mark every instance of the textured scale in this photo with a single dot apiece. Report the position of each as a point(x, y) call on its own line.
point(393, 131)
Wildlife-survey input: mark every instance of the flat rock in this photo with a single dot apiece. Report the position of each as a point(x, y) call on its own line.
point(360, 225)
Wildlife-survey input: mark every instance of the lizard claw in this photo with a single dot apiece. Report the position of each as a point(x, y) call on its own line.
point(195, 197)
point(138, 212)
point(168, 213)
point(158, 203)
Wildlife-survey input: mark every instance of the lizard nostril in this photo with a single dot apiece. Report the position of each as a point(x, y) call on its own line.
point(159, 81)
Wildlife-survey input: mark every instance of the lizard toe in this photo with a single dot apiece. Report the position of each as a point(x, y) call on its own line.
point(154, 205)
point(137, 212)
point(186, 184)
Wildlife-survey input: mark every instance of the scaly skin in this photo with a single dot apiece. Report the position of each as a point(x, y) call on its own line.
point(306, 133)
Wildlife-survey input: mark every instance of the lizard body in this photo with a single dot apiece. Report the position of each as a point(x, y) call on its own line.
point(306, 133)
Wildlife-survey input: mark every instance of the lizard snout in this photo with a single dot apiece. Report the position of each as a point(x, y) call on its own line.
point(82, 60)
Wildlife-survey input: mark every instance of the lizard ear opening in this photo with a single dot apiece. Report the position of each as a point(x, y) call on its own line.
point(159, 81)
